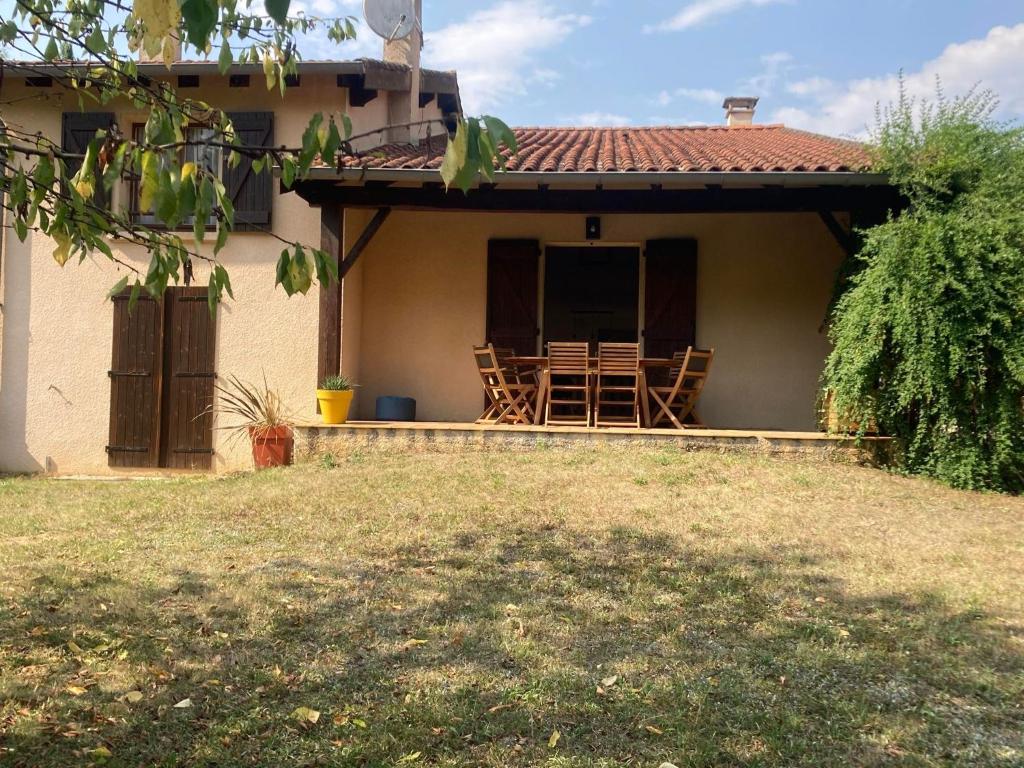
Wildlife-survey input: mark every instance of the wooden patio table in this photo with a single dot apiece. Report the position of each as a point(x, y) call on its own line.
point(541, 362)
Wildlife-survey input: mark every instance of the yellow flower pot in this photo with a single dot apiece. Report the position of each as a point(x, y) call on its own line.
point(334, 405)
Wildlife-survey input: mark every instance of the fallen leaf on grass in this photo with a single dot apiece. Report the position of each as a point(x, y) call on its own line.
point(183, 704)
point(654, 729)
point(413, 643)
point(75, 690)
point(498, 708)
point(553, 741)
point(306, 714)
point(411, 757)
point(102, 754)
point(133, 697)
point(75, 647)
point(608, 682)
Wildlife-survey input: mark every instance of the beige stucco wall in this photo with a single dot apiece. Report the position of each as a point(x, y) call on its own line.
point(764, 282)
point(57, 323)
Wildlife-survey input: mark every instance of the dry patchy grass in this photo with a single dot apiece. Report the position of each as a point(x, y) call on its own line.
point(460, 609)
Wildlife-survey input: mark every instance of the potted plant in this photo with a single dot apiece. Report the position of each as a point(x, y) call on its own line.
point(335, 398)
point(260, 415)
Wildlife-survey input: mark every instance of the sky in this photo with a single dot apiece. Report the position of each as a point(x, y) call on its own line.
point(821, 65)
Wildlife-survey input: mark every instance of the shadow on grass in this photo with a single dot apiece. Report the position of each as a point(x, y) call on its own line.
point(477, 650)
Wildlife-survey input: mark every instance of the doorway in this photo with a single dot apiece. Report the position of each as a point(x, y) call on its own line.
point(592, 294)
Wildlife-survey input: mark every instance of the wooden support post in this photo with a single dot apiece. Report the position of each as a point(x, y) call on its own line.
point(844, 238)
point(364, 240)
point(332, 220)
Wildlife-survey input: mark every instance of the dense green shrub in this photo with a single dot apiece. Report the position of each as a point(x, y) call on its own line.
point(929, 334)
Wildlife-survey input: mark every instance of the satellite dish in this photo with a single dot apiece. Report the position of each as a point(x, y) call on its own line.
point(391, 19)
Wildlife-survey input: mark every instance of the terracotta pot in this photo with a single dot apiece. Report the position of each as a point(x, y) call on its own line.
point(272, 447)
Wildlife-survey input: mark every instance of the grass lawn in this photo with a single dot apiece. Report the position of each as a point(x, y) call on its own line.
point(588, 607)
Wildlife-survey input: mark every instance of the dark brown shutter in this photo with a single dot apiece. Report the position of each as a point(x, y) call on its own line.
point(77, 130)
point(189, 348)
point(670, 297)
point(251, 193)
point(512, 268)
point(135, 383)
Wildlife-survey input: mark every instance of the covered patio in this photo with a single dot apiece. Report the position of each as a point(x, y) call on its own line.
point(724, 238)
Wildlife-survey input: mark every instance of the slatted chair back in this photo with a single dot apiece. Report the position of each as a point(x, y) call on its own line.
point(618, 372)
point(568, 402)
point(568, 358)
point(616, 359)
point(679, 358)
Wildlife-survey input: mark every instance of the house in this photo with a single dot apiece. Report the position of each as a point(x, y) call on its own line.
point(726, 236)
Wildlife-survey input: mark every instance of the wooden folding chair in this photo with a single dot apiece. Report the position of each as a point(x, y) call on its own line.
point(568, 401)
point(515, 373)
point(677, 401)
point(618, 372)
point(509, 401)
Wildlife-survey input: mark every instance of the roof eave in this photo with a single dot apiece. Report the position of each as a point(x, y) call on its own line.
point(615, 179)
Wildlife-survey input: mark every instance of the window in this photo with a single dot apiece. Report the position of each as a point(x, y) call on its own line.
point(205, 156)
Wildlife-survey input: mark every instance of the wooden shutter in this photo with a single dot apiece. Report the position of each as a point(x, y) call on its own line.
point(512, 268)
point(135, 383)
point(189, 347)
point(77, 130)
point(670, 297)
point(251, 193)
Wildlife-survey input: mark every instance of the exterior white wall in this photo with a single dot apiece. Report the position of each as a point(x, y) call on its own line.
point(57, 322)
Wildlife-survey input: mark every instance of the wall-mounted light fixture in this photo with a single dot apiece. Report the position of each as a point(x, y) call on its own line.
point(593, 228)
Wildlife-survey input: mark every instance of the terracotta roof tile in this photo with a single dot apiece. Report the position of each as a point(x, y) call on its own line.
point(755, 148)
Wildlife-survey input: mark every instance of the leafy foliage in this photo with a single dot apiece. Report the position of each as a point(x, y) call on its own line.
point(929, 340)
point(46, 196)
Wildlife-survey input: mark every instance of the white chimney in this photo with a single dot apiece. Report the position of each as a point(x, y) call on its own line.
point(739, 110)
point(404, 107)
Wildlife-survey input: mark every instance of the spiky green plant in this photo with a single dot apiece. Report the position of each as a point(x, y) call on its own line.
point(336, 384)
point(256, 409)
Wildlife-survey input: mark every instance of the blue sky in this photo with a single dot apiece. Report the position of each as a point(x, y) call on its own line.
point(817, 64)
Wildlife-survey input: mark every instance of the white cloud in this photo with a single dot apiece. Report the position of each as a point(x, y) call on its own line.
point(598, 119)
point(774, 66)
point(700, 11)
point(704, 95)
point(994, 62)
point(810, 87)
point(494, 49)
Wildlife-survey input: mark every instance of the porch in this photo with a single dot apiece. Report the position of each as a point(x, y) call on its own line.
point(743, 262)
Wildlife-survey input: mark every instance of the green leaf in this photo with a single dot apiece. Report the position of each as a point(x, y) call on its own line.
point(213, 294)
point(118, 287)
point(223, 280)
point(278, 9)
point(226, 59)
point(501, 135)
point(166, 203)
point(329, 146)
point(310, 142)
point(150, 181)
point(200, 17)
point(287, 171)
point(471, 166)
point(455, 154)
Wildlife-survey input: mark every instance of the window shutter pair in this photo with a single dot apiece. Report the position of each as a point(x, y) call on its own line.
point(162, 381)
point(77, 130)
